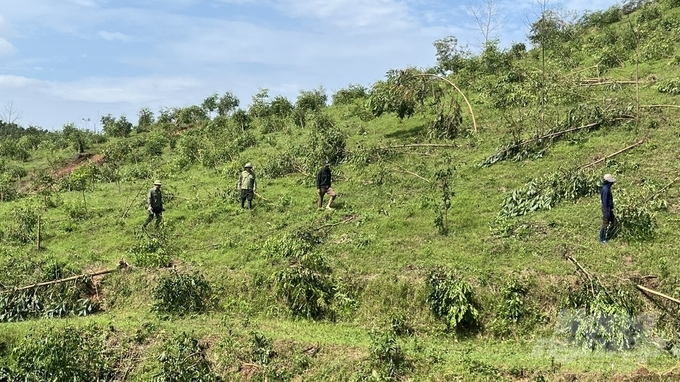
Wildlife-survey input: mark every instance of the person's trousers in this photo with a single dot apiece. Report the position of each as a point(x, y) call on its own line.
point(247, 195)
point(157, 215)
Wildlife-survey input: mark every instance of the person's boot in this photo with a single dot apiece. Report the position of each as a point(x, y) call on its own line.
point(328, 207)
point(320, 203)
point(603, 236)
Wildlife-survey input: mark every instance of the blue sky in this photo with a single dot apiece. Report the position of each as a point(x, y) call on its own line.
point(67, 61)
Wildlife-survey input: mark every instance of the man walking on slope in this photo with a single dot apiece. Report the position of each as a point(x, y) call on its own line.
point(154, 205)
point(246, 184)
point(323, 185)
point(608, 218)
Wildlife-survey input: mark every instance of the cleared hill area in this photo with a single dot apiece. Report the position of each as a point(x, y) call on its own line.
point(463, 244)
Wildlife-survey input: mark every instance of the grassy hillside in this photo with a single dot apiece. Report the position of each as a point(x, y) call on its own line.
point(424, 270)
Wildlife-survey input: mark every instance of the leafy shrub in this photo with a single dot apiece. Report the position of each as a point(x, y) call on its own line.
point(181, 294)
point(311, 100)
point(601, 319)
point(327, 140)
point(512, 300)
point(388, 360)
point(671, 86)
point(152, 253)
point(346, 96)
point(635, 222)
point(399, 323)
point(8, 189)
point(70, 298)
point(443, 204)
point(601, 18)
point(451, 299)
point(261, 350)
point(547, 191)
point(184, 359)
point(307, 286)
point(64, 354)
point(22, 228)
point(77, 211)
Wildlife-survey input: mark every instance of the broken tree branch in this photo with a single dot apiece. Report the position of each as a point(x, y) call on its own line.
point(121, 265)
point(343, 221)
point(674, 106)
point(548, 136)
point(660, 190)
point(406, 145)
point(261, 197)
point(131, 202)
point(472, 113)
point(645, 289)
point(409, 172)
point(611, 155)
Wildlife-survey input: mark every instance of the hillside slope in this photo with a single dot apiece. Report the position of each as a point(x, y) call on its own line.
point(426, 269)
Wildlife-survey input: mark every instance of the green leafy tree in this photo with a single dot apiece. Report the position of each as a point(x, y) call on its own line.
point(146, 119)
point(450, 57)
point(349, 94)
point(311, 100)
point(113, 127)
point(76, 137)
point(259, 106)
point(242, 119)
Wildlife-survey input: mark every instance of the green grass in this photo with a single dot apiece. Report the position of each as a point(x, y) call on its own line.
point(380, 242)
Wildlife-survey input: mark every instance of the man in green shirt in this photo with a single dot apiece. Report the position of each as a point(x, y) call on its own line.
point(154, 205)
point(246, 184)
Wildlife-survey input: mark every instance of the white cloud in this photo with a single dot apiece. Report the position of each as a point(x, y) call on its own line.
point(353, 15)
point(113, 36)
point(16, 82)
point(136, 91)
point(6, 47)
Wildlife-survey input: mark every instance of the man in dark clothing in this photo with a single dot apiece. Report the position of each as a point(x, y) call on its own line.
point(154, 205)
point(246, 184)
point(323, 185)
point(608, 218)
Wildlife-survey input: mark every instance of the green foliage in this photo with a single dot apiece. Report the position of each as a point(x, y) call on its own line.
point(183, 294)
point(67, 299)
point(327, 141)
point(348, 95)
point(551, 31)
point(400, 325)
point(547, 191)
point(65, 354)
point(184, 359)
point(23, 224)
point(635, 221)
point(402, 93)
point(602, 319)
point(10, 148)
point(307, 286)
point(113, 127)
point(77, 211)
point(512, 300)
point(451, 299)
point(671, 86)
point(145, 119)
point(261, 350)
point(8, 188)
point(450, 58)
point(155, 252)
point(311, 100)
point(223, 105)
point(600, 19)
point(441, 208)
point(388, 360)
point(281, 107)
